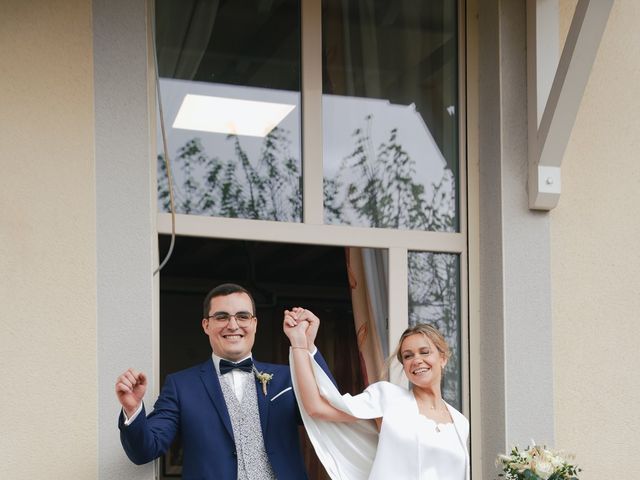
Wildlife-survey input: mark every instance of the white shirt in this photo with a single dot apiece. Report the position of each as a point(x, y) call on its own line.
point(236, 378)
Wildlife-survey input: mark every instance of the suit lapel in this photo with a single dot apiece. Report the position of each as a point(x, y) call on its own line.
point(263, 400)
point(211, 383)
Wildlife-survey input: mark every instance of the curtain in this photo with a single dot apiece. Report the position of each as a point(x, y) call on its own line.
point(402, 51)
point(367, 272)
point(183, 30)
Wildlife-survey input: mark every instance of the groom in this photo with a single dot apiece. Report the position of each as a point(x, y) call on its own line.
point(238, 418)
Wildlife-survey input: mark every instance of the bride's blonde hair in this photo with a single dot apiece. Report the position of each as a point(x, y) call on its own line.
point(428, 331)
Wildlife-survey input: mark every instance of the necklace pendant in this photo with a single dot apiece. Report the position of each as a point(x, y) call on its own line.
point(437, 429)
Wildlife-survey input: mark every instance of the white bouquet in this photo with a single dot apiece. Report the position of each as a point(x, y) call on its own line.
point(536, 463)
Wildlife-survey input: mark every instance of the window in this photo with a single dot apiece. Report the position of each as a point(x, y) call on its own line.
point(362, 151)
point(390, 102)
point(230, 83)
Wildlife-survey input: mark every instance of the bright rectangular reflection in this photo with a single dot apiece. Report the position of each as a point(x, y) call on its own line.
point(230, 115)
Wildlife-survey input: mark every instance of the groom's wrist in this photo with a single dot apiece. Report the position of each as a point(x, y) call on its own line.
point(131, 415)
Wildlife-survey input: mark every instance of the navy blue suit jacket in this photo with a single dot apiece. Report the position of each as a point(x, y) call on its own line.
point(191, 403)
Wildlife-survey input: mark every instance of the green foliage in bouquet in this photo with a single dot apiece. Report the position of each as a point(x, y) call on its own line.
point(536, 463)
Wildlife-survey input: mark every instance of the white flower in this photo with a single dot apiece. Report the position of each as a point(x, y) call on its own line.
point(264, 379)
point(537, 460)
point(542, 468)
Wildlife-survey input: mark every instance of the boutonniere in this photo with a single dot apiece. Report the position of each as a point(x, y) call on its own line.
point(264, 378)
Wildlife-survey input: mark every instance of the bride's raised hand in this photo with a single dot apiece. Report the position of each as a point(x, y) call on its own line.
point(302, 314)
point(295, 330)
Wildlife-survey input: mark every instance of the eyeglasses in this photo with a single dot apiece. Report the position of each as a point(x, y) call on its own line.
point(223, 318)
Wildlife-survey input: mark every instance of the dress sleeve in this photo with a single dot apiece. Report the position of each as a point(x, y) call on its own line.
point(346, 450)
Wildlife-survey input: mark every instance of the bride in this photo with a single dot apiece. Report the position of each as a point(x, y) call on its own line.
point(420, 437)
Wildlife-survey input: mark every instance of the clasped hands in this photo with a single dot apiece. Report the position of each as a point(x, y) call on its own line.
point(301, 327)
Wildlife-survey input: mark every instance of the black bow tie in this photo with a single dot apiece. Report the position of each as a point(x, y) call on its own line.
point(226, 366)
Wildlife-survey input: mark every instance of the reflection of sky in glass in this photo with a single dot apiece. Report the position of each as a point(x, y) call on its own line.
point(215, 144)
point(207, 113)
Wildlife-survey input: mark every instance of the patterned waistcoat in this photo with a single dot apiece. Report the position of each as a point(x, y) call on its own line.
point(253, 463)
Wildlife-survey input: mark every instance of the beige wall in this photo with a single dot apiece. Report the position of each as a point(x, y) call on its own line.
point(48, 248)
point(596, 262)
point(47, 241)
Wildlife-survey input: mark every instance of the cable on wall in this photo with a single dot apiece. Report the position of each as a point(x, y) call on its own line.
point(167, 162)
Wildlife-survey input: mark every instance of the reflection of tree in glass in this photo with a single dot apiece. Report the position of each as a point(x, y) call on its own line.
point(377, 189)
point(381, 192)
point(433, 298)
point(238, 188)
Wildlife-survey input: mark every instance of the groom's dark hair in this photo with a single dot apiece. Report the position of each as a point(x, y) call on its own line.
point(222, 291)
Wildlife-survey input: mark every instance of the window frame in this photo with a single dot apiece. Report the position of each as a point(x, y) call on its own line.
point(313, 231)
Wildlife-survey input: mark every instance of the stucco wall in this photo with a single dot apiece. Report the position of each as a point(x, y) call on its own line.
point(47, 241)
point(596, 262)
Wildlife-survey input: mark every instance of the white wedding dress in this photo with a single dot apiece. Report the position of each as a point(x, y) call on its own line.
point(409, 446)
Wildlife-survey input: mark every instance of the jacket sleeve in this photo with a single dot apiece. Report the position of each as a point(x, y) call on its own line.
point(149, 437)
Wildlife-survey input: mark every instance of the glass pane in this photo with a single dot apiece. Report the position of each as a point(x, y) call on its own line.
point(230, 85)
point(390, 113)
point(434, 297)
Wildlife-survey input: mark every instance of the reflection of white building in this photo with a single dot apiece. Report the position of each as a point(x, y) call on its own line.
point(552, 296)
point(342, 116)
point(220, 111)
